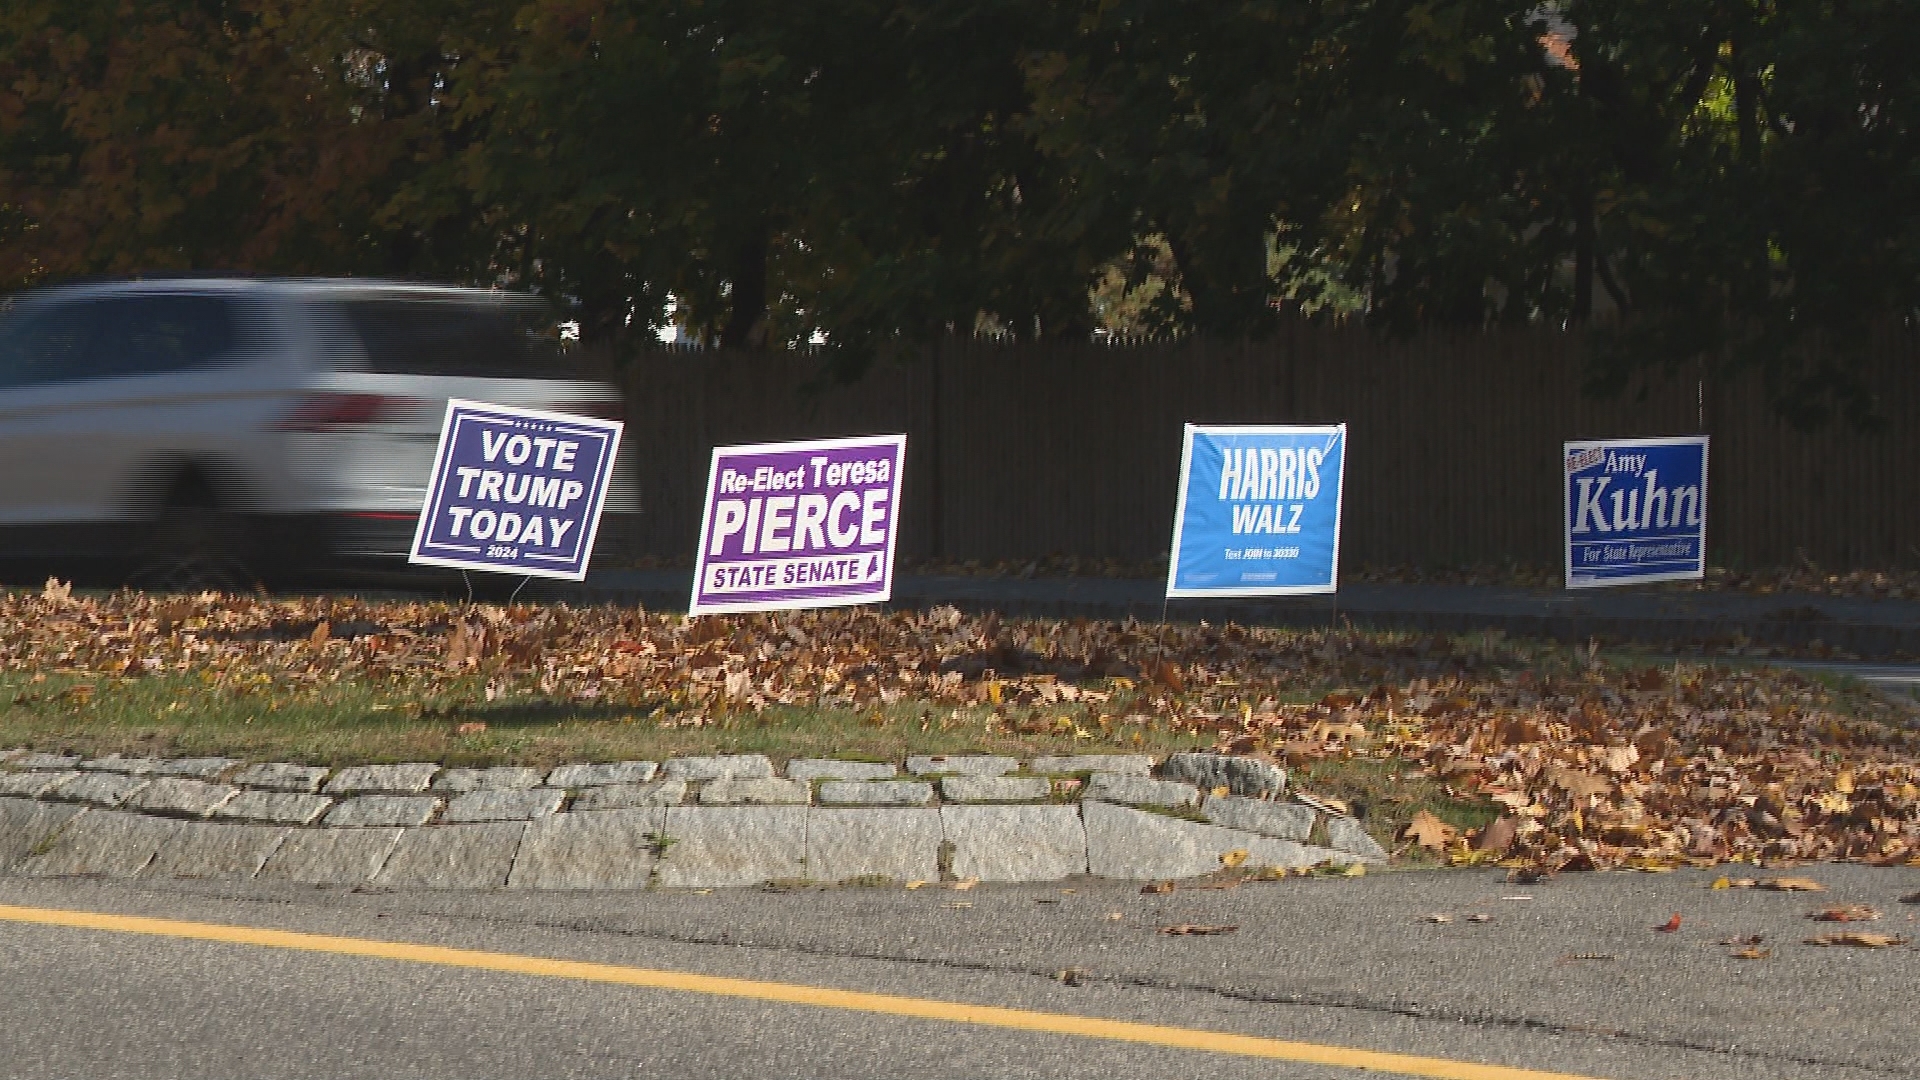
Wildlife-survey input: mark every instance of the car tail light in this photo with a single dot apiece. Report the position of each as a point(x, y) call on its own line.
point(327, 411)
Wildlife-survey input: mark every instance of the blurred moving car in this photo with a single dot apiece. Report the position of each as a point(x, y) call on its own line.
point(214, 432)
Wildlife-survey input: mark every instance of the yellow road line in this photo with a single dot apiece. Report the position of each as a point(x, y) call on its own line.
point(1049, 1023)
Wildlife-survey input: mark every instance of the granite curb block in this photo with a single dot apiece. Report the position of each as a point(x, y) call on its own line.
point(961, 765)
point(179, 795)
point(898, 845)
point(709, 847)
point(373, 811)
point(26, 824)
point(211, 849)
point(1141, 791)
point(810, 769)
point(33, 785)
point(765, 791)
point(1239, 775)
point(602, 775)
point(1015, 843)
point(110, 843)
point(98, 789)
point(410, 778)
point(281, 776)
point(1282, 821)
point(630, 796)
point(593, 849)
point(995, 789)
point(1063, 765)
point(505, 778)
point(1136, 845)
point(331, 856)
point(274, 807)
point(719, 767)
point(507, 805)
point(453, 857)
point(876, 793)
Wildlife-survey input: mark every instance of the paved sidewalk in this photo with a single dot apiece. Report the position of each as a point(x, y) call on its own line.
point(1876, 629)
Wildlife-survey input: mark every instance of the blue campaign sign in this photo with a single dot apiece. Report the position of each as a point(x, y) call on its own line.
point(1258, 512)
point(1636, 510)
point(516, 491)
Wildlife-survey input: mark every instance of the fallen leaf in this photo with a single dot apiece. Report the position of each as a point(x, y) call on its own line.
point(964, 884)
point(1115, 916)
point(1752, 952)
point(1498, 836)
point(1221, 791)
point(916, 885)
point(1437, 917)
point(1721, 882)
point(1791, 884)
point(1196, 930)
point(1072, 976)
point(1670, 925)
point(1480, 917)
point(1847, 913)
point(1750, 939)
point(1156, 887)
point(1233, 858)
point(1858, 939)
point(1428, 831)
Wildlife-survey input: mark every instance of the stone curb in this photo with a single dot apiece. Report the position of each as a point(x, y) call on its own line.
point(722, 821)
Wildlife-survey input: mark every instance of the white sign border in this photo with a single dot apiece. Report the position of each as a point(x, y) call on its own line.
point(603, 484)
point(696, 609)
point(1566, 495)
point(1180, 509)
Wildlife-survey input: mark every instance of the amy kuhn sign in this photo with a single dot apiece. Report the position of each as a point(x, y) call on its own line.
point(799, 525)
point(1636, 510)
point(516, 491)
point(1258, 512)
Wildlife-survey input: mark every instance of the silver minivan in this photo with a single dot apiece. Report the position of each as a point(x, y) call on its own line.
point(217, 432)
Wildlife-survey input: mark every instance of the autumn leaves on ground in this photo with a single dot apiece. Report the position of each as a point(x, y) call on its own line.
point(1468, 749)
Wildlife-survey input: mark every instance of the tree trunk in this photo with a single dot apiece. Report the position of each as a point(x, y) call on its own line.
point(747, 316)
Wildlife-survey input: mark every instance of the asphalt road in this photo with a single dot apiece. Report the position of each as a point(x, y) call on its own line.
point(1346, 962)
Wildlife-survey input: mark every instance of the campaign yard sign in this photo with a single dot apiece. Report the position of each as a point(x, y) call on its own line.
point(1636, 510)
point(799, 525)
point(1258, 512)
point(516, 491)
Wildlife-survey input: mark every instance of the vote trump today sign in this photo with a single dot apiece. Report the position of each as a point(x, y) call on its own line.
point(516, 491)
point(799, 525)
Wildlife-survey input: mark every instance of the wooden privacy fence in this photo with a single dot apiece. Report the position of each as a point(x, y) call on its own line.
point(1023, 451)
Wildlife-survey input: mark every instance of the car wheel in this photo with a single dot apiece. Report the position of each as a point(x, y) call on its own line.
point(196, 544)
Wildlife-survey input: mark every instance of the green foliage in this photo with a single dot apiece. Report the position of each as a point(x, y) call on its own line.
point(1727, 183)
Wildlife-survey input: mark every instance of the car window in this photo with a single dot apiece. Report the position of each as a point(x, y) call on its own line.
point(42, 343)
point(147, 335)
point(451, 337)
point(115, 336)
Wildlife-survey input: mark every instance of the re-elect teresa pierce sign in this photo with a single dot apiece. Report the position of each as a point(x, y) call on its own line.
point(1258, 512)
point(1636, 510)
point(516, 491)
point(799, 525)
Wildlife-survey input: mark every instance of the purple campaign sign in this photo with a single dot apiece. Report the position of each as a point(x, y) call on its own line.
point(799, 525)
point(516, 491)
